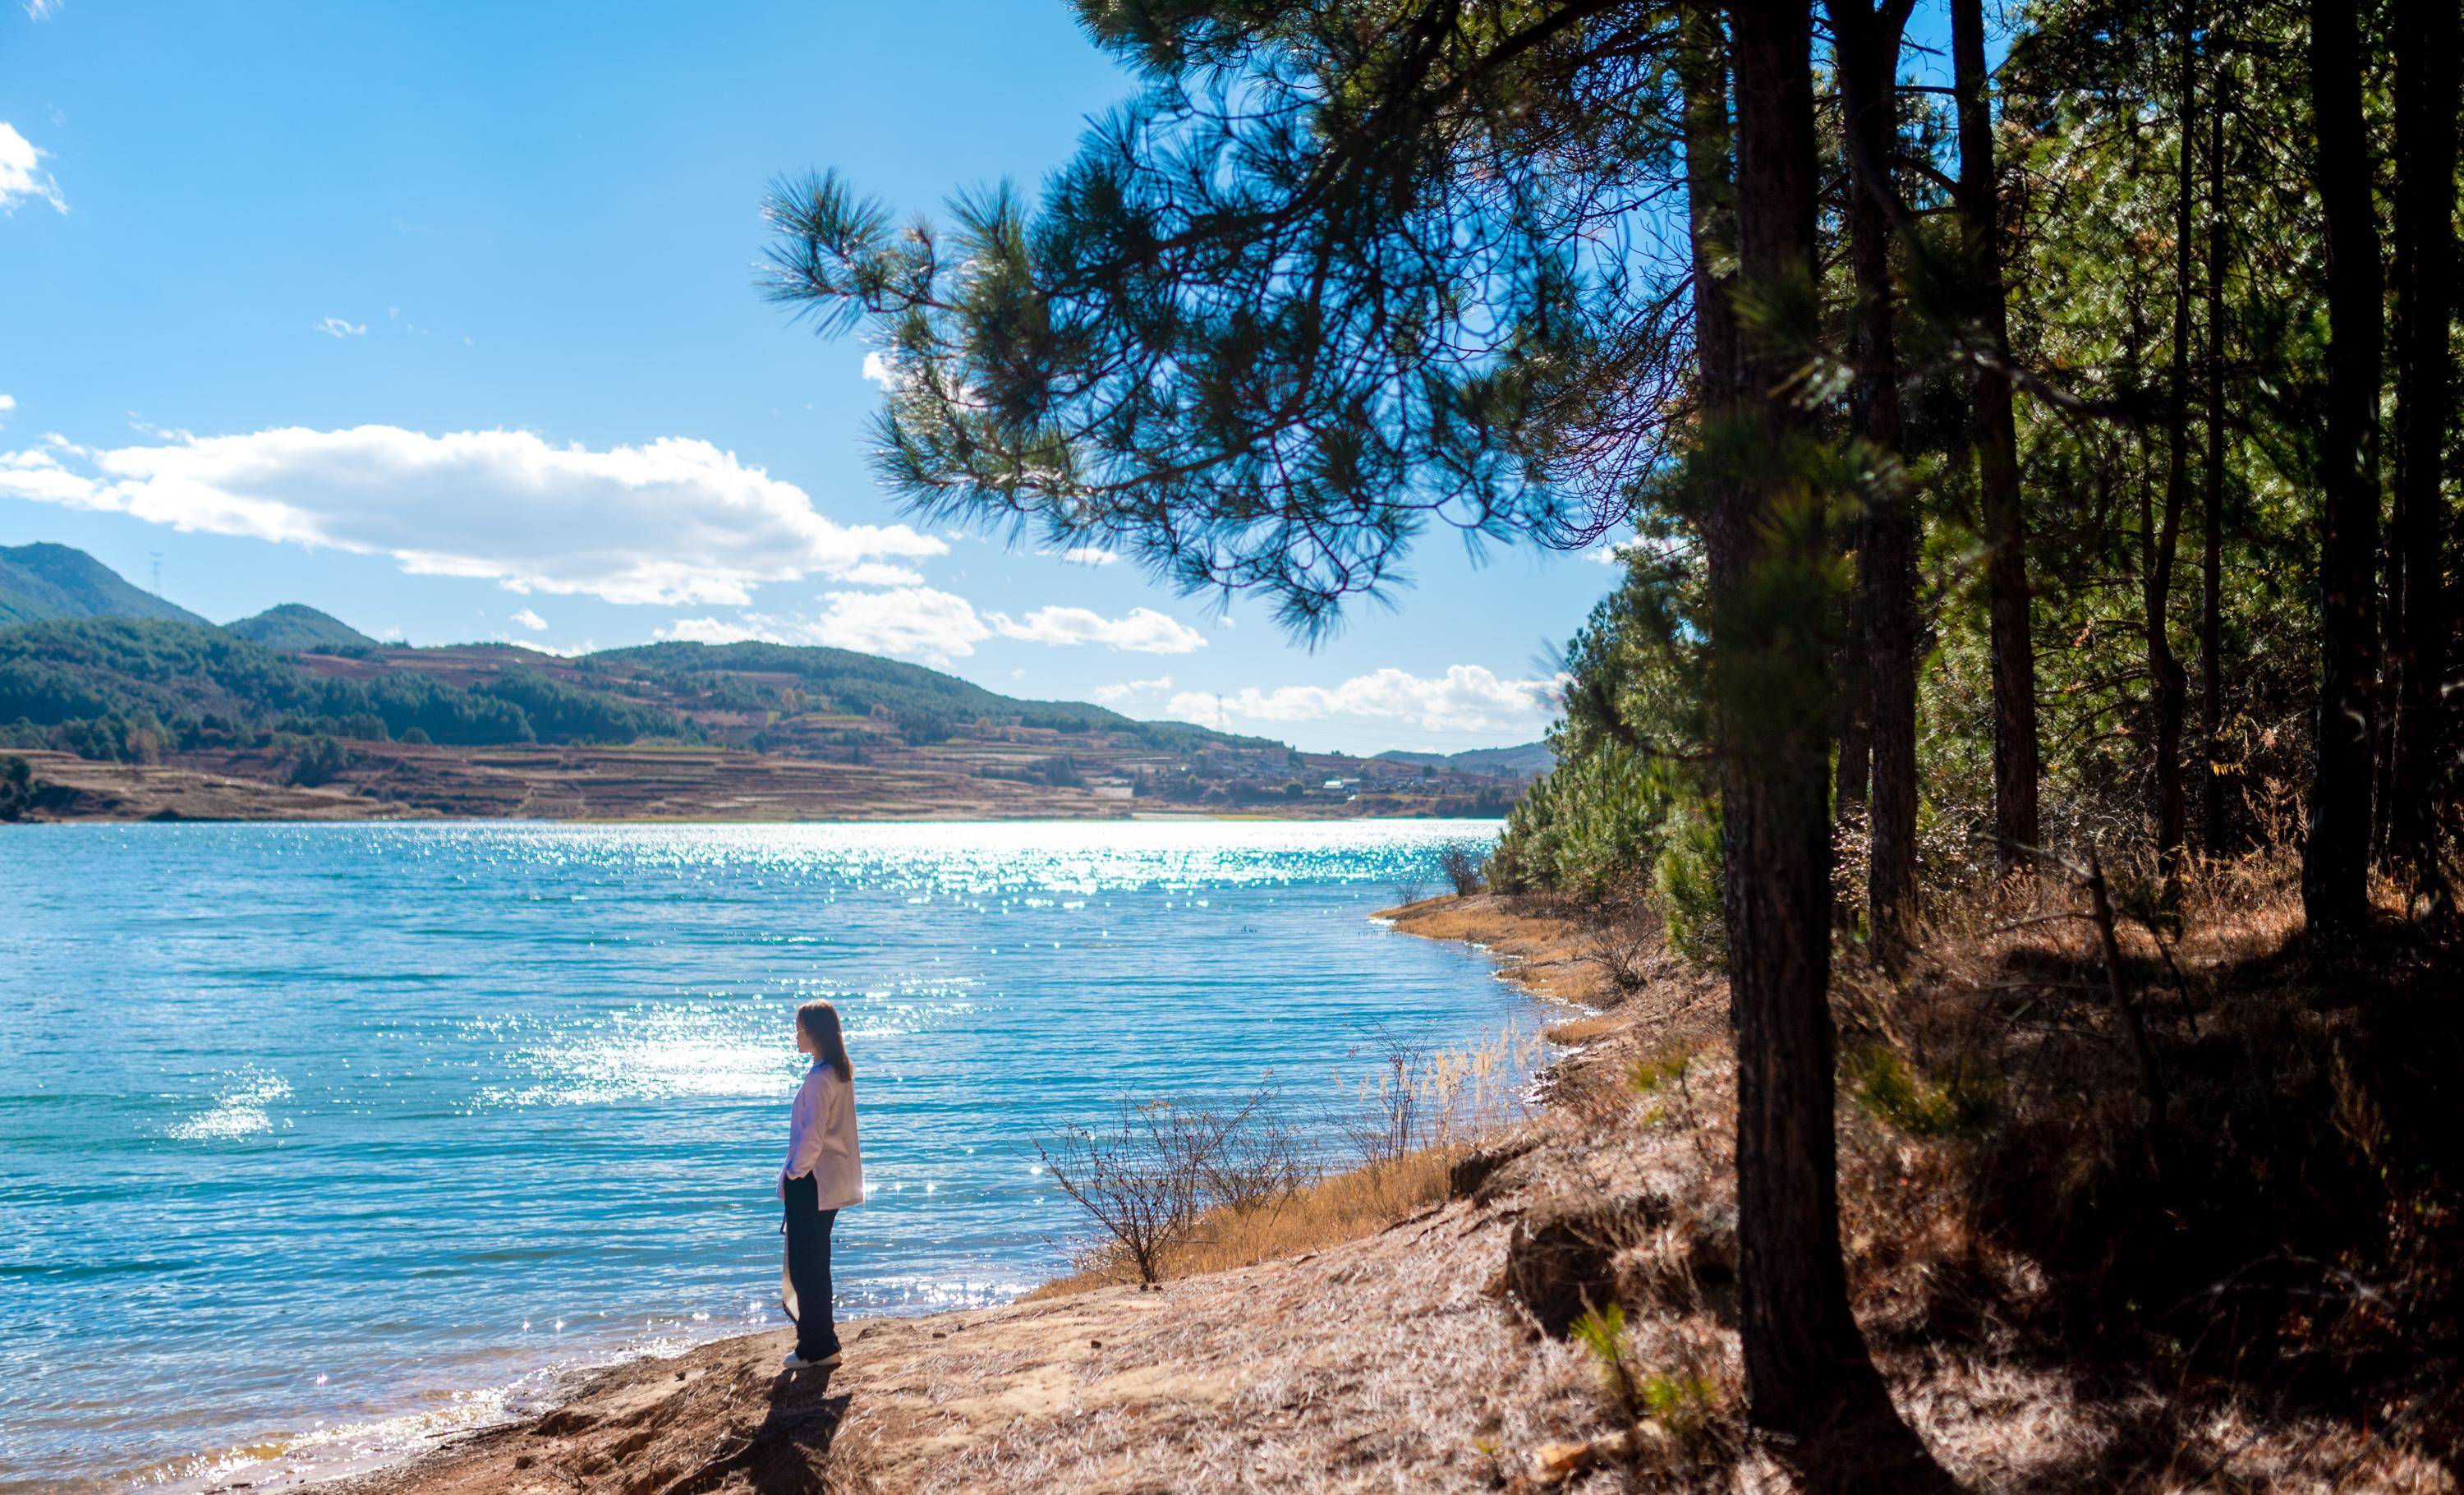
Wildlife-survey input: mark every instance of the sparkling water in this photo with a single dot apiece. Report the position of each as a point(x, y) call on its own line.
point(334, 1136)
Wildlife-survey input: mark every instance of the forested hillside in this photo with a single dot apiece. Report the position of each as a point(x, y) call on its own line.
point(294, 627)
point(119, 689)
point(124, 690)
point(1524, 759)
point(43, 582)
point(113, 673)
point(843, 682)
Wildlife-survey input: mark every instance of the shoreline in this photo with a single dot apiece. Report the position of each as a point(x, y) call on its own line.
point(391, 1454)
point(958, 780)
point(1137, 817)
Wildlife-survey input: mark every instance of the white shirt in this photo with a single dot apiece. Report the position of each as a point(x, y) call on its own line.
point(821, 1139)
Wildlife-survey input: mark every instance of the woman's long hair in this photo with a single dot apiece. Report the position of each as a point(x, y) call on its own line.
point(820, 1021)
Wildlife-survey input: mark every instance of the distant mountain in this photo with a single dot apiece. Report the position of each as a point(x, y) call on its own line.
point(120, 686)
point(46, 583)
point(41, 583)
point(1524, 761)
point(90, 662)
point(291, 696)
point(857, 684)
point(295, 628)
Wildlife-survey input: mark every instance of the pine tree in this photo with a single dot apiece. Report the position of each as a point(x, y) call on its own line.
point(1866, 43)
point(1993, 438)
point(2424, 303)
point(2335, 863)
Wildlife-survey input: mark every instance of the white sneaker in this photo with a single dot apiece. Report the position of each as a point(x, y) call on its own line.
point(824, 1363)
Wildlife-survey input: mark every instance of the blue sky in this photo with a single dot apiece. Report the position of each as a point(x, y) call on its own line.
point(441, 317)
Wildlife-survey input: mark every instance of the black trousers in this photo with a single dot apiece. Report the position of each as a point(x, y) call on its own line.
point(808, 1267)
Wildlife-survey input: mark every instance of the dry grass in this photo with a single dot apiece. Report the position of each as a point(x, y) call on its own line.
point(2222, 1200)
point(1539, 948)
point(1344, 1206)
point(1578, 1032)
point(1404, 1124)
point(1555, 950)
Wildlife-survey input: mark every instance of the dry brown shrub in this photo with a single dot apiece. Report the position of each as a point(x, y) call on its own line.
point(1420, 1098)
point(1463, 864)
point(1576, 1032)
point(1626, 938)
point(1343, 1206)
point(1248, 1192)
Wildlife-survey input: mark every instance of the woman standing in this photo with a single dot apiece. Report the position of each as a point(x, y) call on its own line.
point(824, 1174)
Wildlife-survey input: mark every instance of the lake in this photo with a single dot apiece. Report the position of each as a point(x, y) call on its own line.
point(319, 1139)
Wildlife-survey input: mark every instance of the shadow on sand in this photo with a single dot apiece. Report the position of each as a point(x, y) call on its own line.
point(787, 1452)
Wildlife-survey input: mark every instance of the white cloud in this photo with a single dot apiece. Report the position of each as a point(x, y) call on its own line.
point(1126, 690)
point(675, 521)
point(876, 368)
point(529, 620)
point(38, 476)
point(43, 10)
point(1089, 556)
point(913, 622)
point(22, 178)
point(143, 428)
point(879, 573)
point(936, 626)
point(1465, 698)
point(8, 403)
point(1141, 630)
point(337, 327)
point(752, 627)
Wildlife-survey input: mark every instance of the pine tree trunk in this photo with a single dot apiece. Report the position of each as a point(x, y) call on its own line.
point(1711, 207)
point(1993, 435)
point(2425, 265)
point(1854, 779)
point(1867, 45)
point(2168, 686)
point(1806, 1369)
point(2211, 559)
point(1798, 1332)
point(2335, 861)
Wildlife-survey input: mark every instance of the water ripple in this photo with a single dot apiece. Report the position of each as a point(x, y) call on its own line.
point(324, 1125)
